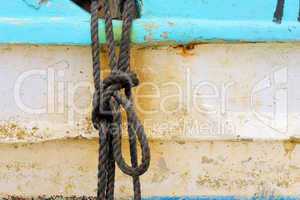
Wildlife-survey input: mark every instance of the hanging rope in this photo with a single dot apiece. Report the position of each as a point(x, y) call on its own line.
point(107, 104)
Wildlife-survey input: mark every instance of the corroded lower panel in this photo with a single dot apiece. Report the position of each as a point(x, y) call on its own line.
point(68, 167)
point(193, 92)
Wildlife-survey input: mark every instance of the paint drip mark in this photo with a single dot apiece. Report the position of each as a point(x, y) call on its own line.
point(278, 14)
point(35, 6)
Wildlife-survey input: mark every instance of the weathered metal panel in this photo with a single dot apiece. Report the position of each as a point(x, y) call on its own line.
point(188, 94)
point(170, 21)
point(197, 92)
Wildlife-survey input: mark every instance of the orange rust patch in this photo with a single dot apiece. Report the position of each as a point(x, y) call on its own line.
point(88, 127)
point(290, 145)
point(186, 50)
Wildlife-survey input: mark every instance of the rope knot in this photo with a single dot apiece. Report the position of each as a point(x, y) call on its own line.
point(119, 80)
point(101, 101)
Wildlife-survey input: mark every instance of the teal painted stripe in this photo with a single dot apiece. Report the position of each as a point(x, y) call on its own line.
point(145, 31)
point(168, 21)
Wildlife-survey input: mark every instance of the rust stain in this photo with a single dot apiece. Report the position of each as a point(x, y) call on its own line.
point(290, 145)
point(283, 183)
point(212, 182)
point(180, 142)
point(88, 125)
point(186, 50)
point(206, 160)
point(153, 86)
point(6, 49)
point(162, 171)
point(185, 175)
point(12, 130)
point(18, 166)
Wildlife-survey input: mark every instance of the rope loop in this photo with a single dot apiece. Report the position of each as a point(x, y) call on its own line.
point(116, 81)
point(134, 128)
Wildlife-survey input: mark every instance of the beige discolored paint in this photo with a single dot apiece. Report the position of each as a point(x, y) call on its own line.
point(68, 167)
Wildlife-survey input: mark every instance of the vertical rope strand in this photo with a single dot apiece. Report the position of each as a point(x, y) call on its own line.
point(107, 101)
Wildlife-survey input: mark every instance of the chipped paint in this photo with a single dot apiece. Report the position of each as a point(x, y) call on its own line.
point(12, 131)
point(186, 50)
point(290, 145)
point(35, 4)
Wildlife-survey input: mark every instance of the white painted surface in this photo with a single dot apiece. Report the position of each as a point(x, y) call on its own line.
point(210, 91)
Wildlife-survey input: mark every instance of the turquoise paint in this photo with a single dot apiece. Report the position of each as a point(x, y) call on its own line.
point(219, 9)
point(168, 21)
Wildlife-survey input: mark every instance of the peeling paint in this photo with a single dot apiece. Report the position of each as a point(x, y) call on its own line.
point(290, 145)
point(35, 4)
point(11, 130)
point(186, 50)
point(206, 160)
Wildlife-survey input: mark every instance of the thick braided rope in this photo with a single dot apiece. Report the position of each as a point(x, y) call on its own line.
point(98, 88)
point(124, 62)
point(107, 102)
